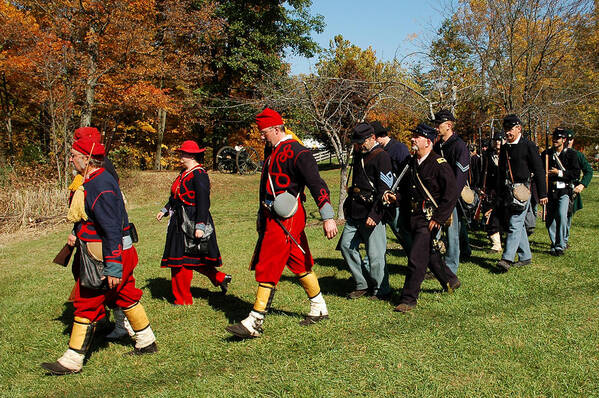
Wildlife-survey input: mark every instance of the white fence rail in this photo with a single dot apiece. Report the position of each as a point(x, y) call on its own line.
point(322, 155)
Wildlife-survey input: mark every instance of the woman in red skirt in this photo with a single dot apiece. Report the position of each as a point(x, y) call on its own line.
point(189, 208)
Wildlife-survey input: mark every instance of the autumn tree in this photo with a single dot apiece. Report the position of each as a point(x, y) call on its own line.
point(578, 108)
point(165, 79)
point(18, 35)
point(521, 48)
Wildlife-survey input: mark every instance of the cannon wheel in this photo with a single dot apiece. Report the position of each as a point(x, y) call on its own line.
point(226, 160)
point(248, 161)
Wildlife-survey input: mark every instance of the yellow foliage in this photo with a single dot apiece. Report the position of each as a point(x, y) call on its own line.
point(248, 137)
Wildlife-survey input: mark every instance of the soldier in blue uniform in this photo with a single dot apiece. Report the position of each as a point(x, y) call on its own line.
point(398, 153)
point(363, 209)
point(563, 171)
point(518, 160)
point(428, 194)
point(453, 149)
point(488, 192)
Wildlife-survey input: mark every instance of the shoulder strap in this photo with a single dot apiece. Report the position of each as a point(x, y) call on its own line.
point(364, 170)
point(424, 188)
point(509, 165)
point(558, 161)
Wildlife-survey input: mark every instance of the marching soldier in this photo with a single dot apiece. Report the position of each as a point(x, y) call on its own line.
point(288, 169)
point(363, 209)
point(488, 192)
point(102, 235)
point(429, 193)
point(475, 170)
point(518, 159)
point(563, 170)
point(398, 153)
point(454, 150)
point(122, 327)
point(581, 183)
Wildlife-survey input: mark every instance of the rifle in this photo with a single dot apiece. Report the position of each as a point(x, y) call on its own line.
point(546, 166)
point(482, 195)
point(64, 255)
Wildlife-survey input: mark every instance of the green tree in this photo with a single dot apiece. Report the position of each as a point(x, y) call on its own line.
point(250, 49)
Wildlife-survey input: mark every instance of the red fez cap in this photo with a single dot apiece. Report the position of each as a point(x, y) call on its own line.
point(190, 146)
point(90, 132)
point(268, 118)
point(87, 145)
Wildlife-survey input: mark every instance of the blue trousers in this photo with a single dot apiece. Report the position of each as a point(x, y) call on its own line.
point(373, 271)
point(452, 256)
point(517, 238)
point(569, 227)
point(557, 222)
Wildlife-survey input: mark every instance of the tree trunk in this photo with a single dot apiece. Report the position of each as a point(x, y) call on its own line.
point(159, 138)
point(90, 85)
point(54, 137)
point(342, 190)
point(8, 149)
point(88, 107)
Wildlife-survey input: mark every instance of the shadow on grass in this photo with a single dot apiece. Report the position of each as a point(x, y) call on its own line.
point(67, 316)
point(329, 285)
point(539, 247)
point(327, 166)
point(478, 239)
point(160, 289)
point(338, 263)
point(233, 307)
point(486, 263)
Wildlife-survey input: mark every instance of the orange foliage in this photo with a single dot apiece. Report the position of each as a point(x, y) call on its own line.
point(248, 137)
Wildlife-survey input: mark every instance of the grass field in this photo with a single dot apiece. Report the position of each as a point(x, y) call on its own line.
point(532, 332)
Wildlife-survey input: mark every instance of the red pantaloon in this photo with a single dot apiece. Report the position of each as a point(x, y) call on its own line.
point(181, 281)
point(277, 250)
point(89, 303)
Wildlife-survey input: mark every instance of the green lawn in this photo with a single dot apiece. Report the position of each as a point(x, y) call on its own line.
point(530, 332)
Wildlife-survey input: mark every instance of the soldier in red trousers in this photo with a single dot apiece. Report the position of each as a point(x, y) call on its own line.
point(103, 239)
point(288, 169)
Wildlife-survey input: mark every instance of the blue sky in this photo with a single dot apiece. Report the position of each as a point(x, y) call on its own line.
point(390, 26)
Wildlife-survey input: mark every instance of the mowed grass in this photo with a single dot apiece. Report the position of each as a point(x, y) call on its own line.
point(531, 332)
